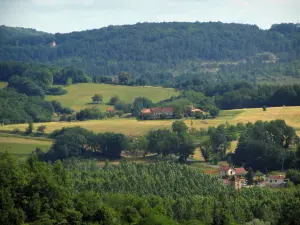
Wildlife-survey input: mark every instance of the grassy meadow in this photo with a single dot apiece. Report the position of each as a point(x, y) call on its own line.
point(79, 95)
point(3, 84)
point(134, 127)
point(22, 147)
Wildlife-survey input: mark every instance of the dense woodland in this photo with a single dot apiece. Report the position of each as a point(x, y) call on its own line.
point(158, 51)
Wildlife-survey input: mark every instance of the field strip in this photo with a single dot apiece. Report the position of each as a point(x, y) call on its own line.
point(14, 140)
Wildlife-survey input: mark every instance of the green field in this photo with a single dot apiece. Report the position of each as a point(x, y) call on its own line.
point(21, 147)
point(3, 84)
point(79, 95)
point(134, 127)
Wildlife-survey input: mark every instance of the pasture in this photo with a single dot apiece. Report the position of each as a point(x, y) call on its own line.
point(3, 84)
point(134, 127)
point(79, 95)
point(22, 147)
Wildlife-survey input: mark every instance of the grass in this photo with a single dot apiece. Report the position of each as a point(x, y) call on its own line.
point(3, 84)
point(133, 127)
point(79, 95)
point(22, 147)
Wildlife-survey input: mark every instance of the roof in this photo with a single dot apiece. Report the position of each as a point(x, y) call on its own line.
point(158, 110)
point(109, 109)
point(226, 181)
point(224, 168)
point(165, 110)
point(240, 170)
point(146, 111)
point(278, 177)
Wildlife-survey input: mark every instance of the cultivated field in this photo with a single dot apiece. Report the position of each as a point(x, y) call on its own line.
point(21, 147)
point(133, 127)
point(3, 84)
point(79, 95)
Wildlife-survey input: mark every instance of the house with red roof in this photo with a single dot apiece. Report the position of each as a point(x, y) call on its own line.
point(231, 176)
point(226, 171)
point(157, 113)
point(276, 181)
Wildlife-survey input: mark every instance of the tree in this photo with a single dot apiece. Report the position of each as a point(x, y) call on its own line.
point(97, 98)
point(41, 129)
point(214, 112)
point(124, 77)
point(114, 99)
point(69, 81)
point(179, 127)
point(249, 176)
point(140, 103)
point(29, 129)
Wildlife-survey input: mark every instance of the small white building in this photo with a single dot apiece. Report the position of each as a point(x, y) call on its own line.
point(276, 181)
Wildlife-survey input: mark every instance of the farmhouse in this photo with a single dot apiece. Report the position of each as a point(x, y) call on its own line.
point(226, 171)
point(232, 176)
point(157, 113)
point(276, 181)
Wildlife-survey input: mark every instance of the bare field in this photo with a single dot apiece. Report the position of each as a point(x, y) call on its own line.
point(133, 127)
point(79, 95)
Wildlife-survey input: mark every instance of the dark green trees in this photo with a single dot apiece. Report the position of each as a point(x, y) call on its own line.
point(263, 144)
point(140, 103)
point(97, 98)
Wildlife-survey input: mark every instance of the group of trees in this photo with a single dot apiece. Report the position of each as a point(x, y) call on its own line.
point(78, 191)
point(171, 142)
point(266, 146)
point(76, 141)
point(150, 49)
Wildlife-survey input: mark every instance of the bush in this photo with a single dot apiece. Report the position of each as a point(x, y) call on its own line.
point(16, 131)
point(56, 91)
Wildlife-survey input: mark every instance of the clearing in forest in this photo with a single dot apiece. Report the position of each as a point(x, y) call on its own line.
point(79, 95)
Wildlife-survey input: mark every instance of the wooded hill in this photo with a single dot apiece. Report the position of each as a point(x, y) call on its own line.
point(159, 51)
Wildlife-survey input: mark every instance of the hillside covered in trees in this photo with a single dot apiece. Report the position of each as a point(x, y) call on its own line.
point(160, 51)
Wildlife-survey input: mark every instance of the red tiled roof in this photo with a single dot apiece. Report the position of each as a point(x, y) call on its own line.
point(146, 111)
point(239, 171)
point(226, 181)
point(165, 110)
point(278, 177)
point(109, 109)
point(224, 168)
point(158, 110)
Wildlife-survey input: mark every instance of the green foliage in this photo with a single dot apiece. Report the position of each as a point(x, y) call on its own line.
point(29, 129)
point(97, 98)
point(41, 129)
point(264, 145)
point(157, 48)
point(113, 100)
point(179, 127)
point(92, 113)
point(139, 104)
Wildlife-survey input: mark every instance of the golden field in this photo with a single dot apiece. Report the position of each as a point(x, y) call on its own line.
point(134, 127)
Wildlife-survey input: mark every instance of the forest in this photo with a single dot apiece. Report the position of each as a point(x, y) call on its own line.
point(159, 51)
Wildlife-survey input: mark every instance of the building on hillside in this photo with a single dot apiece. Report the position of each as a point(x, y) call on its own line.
point(226, 171)
point(276, 181)
point(234, 177)
point(157, 113)
point(109, 110)
point(52, 44)
point(192, 111)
